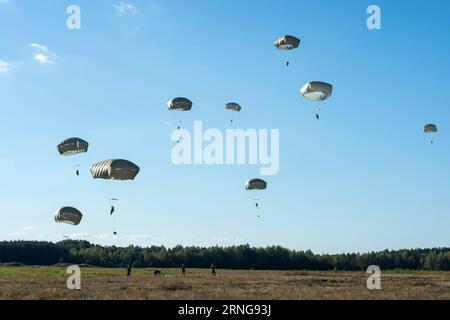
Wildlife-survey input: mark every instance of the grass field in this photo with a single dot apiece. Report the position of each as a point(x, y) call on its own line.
point(101, 283)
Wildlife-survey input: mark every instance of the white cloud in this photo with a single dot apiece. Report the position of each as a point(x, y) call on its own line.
point(42, 58)
point(125, 8)
point(39, 47)
point(24, 232)
point(4, 66)
point(42, 54)
point(111, 236)
point(235, 240)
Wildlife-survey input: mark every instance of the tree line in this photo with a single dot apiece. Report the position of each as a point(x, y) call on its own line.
point(235, 257)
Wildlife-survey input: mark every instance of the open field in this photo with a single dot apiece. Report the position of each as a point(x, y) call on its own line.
point(101, 283)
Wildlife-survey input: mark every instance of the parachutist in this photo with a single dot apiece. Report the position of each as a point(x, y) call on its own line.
point(317, 116)
point(431, 129)
point(287, 64)
point(78, 172)
point(234, 107)
point(115, 233)
point(112, 210)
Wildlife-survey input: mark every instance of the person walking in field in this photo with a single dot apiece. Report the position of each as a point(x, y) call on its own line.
point(183, 270)
point(213, 270)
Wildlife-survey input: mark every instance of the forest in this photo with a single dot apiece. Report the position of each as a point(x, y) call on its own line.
point(242, 257)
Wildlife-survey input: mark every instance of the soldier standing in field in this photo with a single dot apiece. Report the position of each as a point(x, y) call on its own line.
point(183, 270)
point(129, 270)
point(213, 270)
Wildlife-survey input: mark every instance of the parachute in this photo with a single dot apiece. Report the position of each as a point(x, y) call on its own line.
point(316, 91)
point(430, 129)
point(116, 169)
point(256, 184)
point(179, 104)
point(287, 43)
point(233, 106)
point(72, 146)
point(68, 215)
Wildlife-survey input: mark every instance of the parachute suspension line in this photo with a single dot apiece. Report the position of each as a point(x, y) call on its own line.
point(178, 128)
point(112, 215)
point(288, 56)
point(257, 207)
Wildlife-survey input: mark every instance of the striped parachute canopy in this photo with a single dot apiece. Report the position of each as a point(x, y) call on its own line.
point(68, 215)
point(116, 169)
point(72, 146)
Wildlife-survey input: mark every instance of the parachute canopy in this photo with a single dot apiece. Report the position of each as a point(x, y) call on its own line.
point(430, 128)
point(287, 43)
point(316, 91)
point(72, 146)
point(179, 104)
point(233, 106)
point(116, 169)
point(256, 184)
point(68, 215)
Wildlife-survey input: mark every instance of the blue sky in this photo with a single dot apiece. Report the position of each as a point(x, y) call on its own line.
point(362, 178)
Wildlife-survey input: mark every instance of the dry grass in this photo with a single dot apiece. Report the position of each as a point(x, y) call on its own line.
point(99, 283)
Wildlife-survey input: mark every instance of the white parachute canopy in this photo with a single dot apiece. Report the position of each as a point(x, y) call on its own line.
point(316, 91)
